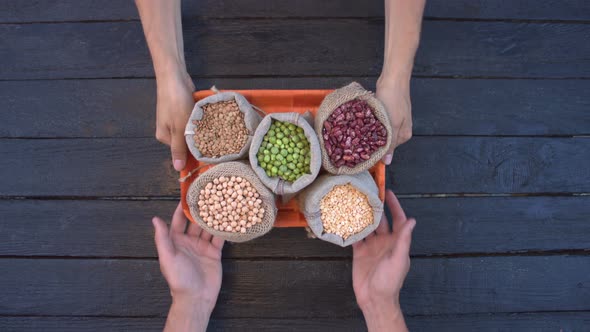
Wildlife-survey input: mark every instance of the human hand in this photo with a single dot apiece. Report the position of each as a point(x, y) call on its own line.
point(190, 262)
point(174, 105)
point(394, 93)
point(380, 264)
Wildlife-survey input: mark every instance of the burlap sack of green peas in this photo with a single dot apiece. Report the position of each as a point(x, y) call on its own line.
point(285, 152)
point(233, 169)
point(251, 119)
point(310, 202)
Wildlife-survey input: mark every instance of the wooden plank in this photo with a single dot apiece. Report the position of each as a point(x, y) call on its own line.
point(533, 322)
point(141, 167)
point(491, 165)
point(289, 289)
point(87, 10)
point(126, 108)
point(461, 225)
point(224, 48)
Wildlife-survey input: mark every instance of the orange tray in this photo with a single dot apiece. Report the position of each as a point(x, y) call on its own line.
point(275, 101)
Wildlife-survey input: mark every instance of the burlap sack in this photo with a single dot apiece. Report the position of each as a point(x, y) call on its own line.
point(309, 204)
point(234, 168)
point(339, 97)
point(276, 184)
point(251, 119)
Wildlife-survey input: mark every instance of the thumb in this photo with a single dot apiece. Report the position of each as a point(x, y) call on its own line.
point(178, 148)
point(163, 242)
point(405, 238)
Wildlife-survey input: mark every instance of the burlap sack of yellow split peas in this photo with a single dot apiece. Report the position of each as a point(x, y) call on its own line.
point(342, 209)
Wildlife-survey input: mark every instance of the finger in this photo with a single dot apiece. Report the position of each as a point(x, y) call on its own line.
point(194, 229)
point(389, 155)
point(217, 242)
point(163, 242)
point(383, 227)
point(206, 236)
point(397, 213)
point(178, 148)
point(405, 239)
point(356, 247)
point(178, 223)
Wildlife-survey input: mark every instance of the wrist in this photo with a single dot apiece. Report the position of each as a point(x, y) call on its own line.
point(383, 316)
point(394, 79)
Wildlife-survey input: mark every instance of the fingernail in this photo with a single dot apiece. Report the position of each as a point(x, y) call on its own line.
point(154, 221)
point(178, 164)
point(387, 159)
point(413, 223)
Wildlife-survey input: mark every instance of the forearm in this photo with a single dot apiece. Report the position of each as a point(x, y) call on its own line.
point(162, 26)
point(186, 315)
point(403, 20)
point(384, 317)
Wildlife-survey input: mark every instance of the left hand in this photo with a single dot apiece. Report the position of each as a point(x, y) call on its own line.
point(190, 262)
point(394, 93)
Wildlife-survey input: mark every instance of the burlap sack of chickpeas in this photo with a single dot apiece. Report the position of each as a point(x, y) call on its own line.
point(234, 169)
point(251, 121)
point(310, 200)
point(330, 103)
point(276, 184)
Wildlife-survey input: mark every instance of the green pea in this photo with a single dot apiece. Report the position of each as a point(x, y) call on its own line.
point(266, 158)
point(284, 152)
point(280, 135)
point(279, 157)
point(296, 150)
point(263, 165)
point(295, 139)
point(271, 132)
point(296, 156)
point(274, 170)
point(277, 163)
point(290, 149)
point(266, 152)
point(289, 158)
point(300, 145)
point(287, 132)
point(293, 127)
point(272, 140)
point(291, 166)
point(286, 141)
point(274, 150)
point(300, 165)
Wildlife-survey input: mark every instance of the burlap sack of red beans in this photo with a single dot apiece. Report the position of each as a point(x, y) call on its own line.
point(353, 129)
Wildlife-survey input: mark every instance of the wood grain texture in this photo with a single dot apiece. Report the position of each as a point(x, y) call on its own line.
point(283, 289)
point(445, 226)
point(490, 165)
point(539, 322)
point(224, 48)
point(87, 10)
point(141, 167)
point(126, 108)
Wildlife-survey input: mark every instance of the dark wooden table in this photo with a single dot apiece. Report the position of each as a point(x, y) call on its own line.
point(497, 174)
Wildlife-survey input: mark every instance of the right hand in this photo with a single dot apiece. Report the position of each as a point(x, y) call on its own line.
point(174, 105)
point(382, 260)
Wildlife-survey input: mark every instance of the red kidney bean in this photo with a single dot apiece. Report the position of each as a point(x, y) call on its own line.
point(352, 133)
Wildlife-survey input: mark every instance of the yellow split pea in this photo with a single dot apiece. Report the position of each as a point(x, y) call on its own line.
point(345, 211)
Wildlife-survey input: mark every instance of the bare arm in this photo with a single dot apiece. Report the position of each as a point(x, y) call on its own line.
point(403, 19)
point(162, 26)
